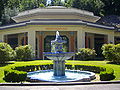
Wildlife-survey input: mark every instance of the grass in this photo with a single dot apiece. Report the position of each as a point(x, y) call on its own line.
point(41, 62)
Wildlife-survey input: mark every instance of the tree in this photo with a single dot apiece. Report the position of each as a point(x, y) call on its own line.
point(111, 7)
point(3, 3)
point(68, 3)
point(30, 4)
point(8, 13)
point(13, 4)
point(94, 6)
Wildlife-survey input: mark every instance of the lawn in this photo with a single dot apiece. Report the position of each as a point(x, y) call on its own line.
point(43, 62)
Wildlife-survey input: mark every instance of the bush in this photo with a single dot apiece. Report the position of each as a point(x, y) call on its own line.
point(14, 75)
point(95, 69)
point(42, 5)
point(111, 52)
point(24, 52)
point(86, 53)
point(107, 75)
point(6, 53)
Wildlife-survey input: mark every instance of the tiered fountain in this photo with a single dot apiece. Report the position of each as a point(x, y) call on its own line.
point(59, 74)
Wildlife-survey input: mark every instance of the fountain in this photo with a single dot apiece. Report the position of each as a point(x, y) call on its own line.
point(59, 74)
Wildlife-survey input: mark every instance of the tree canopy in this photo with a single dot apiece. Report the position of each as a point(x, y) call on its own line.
point(98, 7)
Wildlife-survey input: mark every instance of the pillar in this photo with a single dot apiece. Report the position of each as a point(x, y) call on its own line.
point(72, 42)
point(32, 40)
point(59, 68)
point(25, 38)
point(1, 38)
point(80, 39)
point(111, 38)
point(41, 44)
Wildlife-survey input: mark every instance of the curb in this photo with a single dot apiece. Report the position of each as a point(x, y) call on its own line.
point(58, 84)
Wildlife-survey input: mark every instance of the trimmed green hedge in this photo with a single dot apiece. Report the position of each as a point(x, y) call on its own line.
point(19, 73)
point(14, 75)
point(106, 73)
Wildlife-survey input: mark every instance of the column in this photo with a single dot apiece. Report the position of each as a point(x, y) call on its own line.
point(72, 42)
point(25, 38)
point(41, 44)
point(111, 38)
point(32, 40)
point(86, 40)
point(1, 38)
point(80, 39)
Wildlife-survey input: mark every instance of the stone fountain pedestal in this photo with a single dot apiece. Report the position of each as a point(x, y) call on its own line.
point(59, 68)
point(58, 56)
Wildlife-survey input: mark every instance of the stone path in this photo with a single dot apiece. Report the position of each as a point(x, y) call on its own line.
point(70, 87)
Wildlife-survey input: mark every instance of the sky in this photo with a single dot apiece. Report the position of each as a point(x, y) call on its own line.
point(49, 1)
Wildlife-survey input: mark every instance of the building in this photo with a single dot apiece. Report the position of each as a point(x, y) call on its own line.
point(37, 27)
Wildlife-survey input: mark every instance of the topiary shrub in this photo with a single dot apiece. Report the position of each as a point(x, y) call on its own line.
point(6, 52)
point(107, 75)
point(24, 52)
point(14, 75)
point(86, 53)
point(111, 52)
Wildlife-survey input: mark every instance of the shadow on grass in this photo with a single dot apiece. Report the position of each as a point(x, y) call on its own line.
point(4, 64)
point(113, 63)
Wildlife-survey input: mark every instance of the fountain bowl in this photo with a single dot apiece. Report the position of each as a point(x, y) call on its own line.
point(70, 76)
point(59, 55)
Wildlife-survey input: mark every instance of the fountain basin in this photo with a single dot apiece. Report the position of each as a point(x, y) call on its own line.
point(70, 76)
point(59, 55)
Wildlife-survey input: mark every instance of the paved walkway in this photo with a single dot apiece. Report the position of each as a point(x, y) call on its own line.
point(68, 87)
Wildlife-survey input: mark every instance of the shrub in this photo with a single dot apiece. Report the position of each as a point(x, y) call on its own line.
point(42, 5)
point(24, 52)
point(6, 53)
point(86, 53)
point(14, 75)
point(111, 52)
point(107, 75)
point(95, 69)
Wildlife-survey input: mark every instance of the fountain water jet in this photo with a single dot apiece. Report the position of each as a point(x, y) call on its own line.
point(59, 74)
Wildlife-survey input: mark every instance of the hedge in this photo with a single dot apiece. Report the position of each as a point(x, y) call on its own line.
point(19, 73)
point(14, 75)
point(106, 73)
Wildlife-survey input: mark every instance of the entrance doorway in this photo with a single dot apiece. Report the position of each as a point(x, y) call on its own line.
point(99, 40)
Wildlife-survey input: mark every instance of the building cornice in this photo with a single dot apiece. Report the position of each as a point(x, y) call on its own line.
point(54, 11)
point(57, 22)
